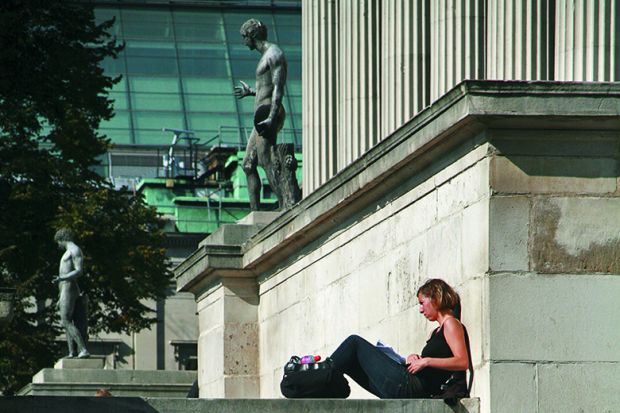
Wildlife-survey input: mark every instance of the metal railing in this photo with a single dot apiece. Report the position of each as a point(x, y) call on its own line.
point(232, 136)
point(188, 150)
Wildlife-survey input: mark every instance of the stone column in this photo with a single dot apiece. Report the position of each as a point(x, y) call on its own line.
point(587, 40)
point(520, 38)
point(405, 61)
point(457, 43)
point(228, 341)
point(359, 78)
point(320, 91)
point(227, 303)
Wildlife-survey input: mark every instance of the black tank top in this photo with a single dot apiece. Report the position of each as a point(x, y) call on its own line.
point(436, 347)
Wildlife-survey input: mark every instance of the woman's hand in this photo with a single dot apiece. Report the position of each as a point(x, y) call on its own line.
point(412, 357)
point(416, 363)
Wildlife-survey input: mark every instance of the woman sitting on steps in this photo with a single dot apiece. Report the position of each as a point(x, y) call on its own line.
point(423, 374)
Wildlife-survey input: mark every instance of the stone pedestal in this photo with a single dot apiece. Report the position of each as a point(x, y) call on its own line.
point(93, 362)
point(86, 382)
point(228, 341)
point(227, 303)
point(259, 218)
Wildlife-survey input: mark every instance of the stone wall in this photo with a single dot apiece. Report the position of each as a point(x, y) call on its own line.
point(508, 190)
point(553, 275)
point(363, 276)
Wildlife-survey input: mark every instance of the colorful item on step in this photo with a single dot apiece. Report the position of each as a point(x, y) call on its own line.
point(309, 359)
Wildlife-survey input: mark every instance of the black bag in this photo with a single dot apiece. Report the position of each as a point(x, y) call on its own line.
point(313, 381)
point(457, 387)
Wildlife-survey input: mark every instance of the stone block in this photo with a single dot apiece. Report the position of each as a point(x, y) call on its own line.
point(228, 340)
point(270, 382)
point(93, 362)
point(291, 291)
point(180, 323)
point(409, 266)
point(210, 315)
point(268, 304)
point(576, 235)
point(260, 218)
point(444, 248)
point(271, 281)
point(575, 143)
point(418, 187)
point(146, 341)
point(84, 382)
point(481, 385)
point(240, 355)
point(387, 331)
point(212, 389)
point(475, 239)
point(230, 234)
point(270, 344)
point(513, 388)
point(307, 323)
point(285, 334)
point(412, 331)
point(373, 293)
point(463, 161)
point(240, 287)
point(211, 355)
point(241, 387)
point(240, 309)
point(578, 387)
point(509, 233)
point(473, 293)
point(536, 317)
point(546, 174)
point(464, 189)
point(415, 219)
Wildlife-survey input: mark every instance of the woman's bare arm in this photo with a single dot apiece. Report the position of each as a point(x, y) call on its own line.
point(455, 337)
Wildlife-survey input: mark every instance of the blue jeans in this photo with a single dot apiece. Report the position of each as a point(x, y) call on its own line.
point(372, 369)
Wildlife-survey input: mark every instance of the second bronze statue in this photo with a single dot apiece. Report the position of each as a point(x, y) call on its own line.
point(278, 161)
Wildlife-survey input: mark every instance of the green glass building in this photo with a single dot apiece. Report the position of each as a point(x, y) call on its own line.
point(179, 66)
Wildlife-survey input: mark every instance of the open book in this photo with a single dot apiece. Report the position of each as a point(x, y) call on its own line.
point(389, 351)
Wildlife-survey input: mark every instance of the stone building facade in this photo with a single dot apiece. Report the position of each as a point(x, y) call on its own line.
point(370, 65)
point(507, 186)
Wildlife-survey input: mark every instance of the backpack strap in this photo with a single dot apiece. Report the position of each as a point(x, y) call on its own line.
point(471, 366)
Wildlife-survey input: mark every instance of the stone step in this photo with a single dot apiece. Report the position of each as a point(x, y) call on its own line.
point(60, 404)
point(71, 382)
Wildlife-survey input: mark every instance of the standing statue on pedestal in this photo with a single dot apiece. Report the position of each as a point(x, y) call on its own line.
point(278, 160)
point(72, 303)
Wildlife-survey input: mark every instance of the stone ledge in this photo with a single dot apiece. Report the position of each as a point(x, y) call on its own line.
point(462, 113)
point(165, 405)
point(93, 362)
point(84, 382)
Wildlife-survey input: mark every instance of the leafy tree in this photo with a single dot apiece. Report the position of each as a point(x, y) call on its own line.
point(52, 99)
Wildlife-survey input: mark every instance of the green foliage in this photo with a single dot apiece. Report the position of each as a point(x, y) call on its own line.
point(121, 240)
point(52, 99)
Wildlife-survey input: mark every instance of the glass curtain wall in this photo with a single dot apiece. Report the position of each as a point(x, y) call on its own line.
point(179, 68)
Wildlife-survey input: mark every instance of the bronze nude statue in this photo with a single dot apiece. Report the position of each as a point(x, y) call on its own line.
point(277, 160)
point(72, 303)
